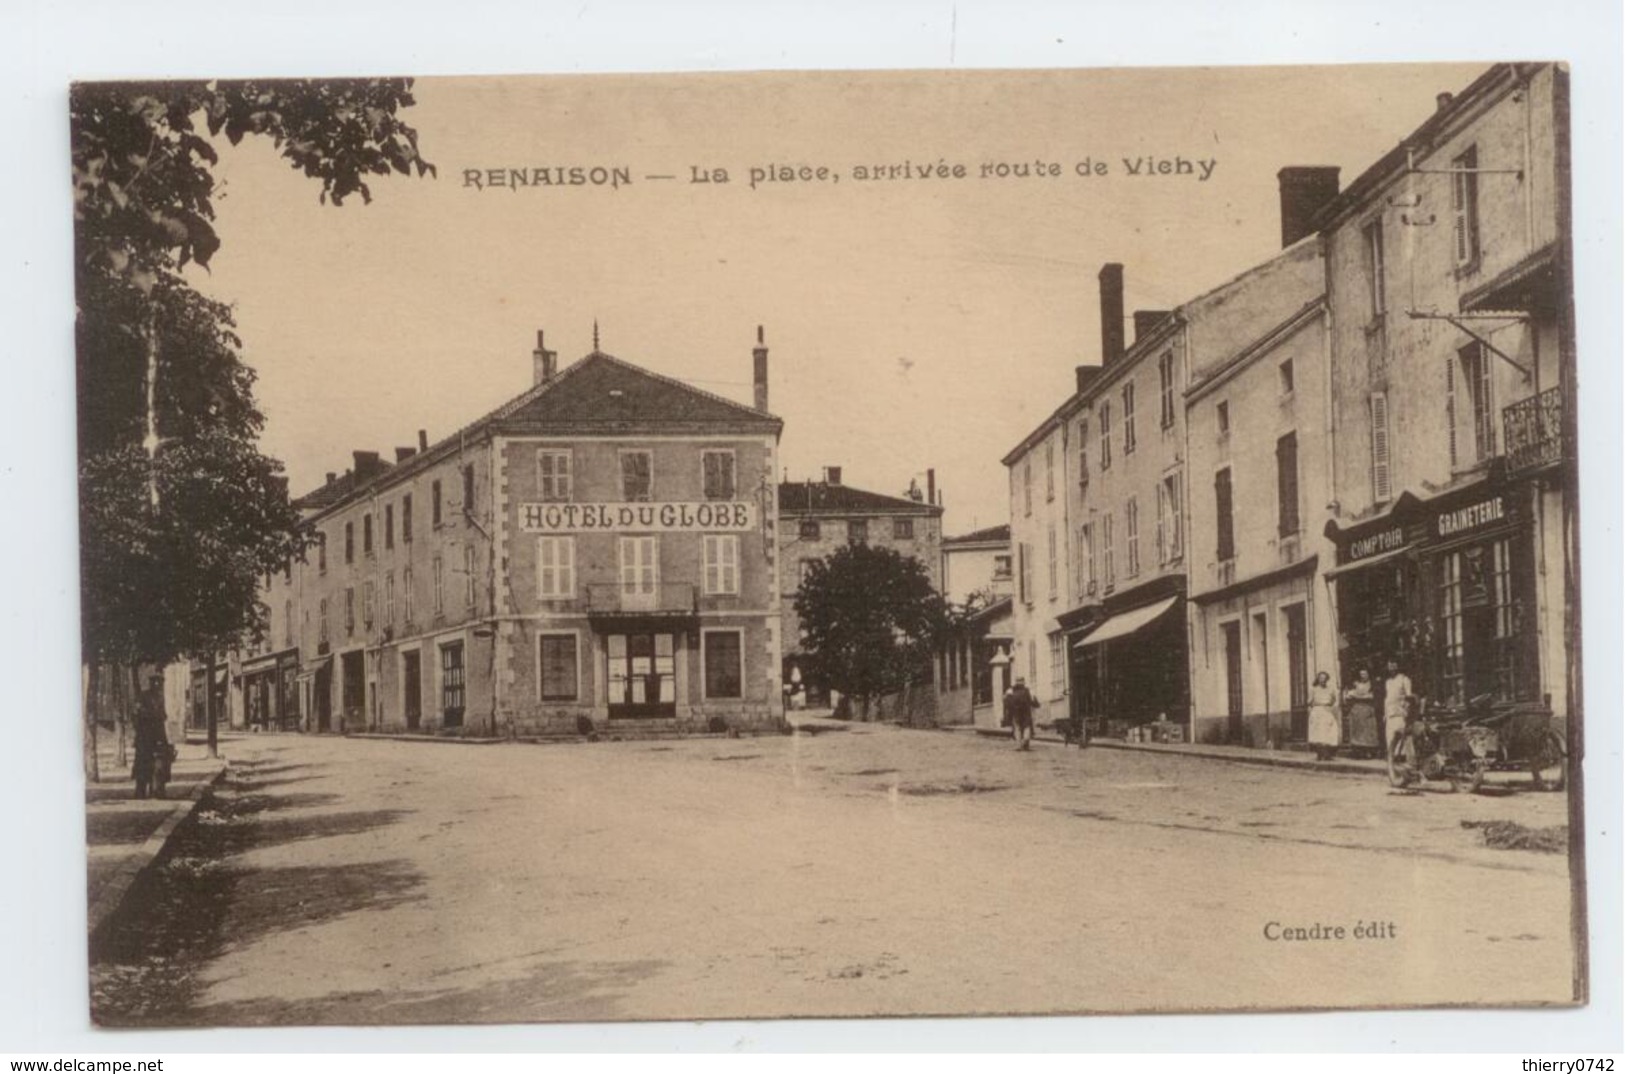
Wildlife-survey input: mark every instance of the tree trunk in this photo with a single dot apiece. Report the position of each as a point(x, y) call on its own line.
point(211, 717)
point(121, 756)
point(93, 762)
point(150, 441)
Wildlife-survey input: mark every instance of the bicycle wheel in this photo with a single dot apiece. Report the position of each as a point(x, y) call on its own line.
point(1402, 761)
point(1550, 763)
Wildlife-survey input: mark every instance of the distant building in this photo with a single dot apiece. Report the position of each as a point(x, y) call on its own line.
point(976, 565)
point(818, 517)
point(601, 549)
point(977, 562)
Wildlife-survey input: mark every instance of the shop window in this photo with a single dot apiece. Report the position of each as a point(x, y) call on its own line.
point(724, 671)
point(719, 474)
point(637, 476)
point(1508, 628)
point(810, 530)
point(1128, 418)
point(560, 668)
point(553, 475)
point(555, 568)
point(902, 529)
point(721, 563)
point(1452, 649)
point(1464, 207)
point(1224, 514)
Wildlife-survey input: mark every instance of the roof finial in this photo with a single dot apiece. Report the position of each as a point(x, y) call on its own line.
point(595, 335)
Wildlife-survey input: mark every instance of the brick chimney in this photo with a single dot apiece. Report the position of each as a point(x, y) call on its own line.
point(404, 453)
point(931, 486)
point(832, 475)
point(1086, 375)
point(544, 363)
point(423, 440)
point(1304, 192)
point(1145, 321)
point(759, 354)
point(1111, 313)
point(367, 465)
point(332, 476)
point(1442, 101)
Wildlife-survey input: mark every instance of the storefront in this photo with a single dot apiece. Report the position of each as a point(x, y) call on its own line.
point(1131, 667)
point(1444, 586)
point(271, 692)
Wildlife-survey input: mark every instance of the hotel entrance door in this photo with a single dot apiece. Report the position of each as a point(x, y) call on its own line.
point(642, 675)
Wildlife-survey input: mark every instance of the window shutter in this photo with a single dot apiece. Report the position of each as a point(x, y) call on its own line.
point(1381, 487)
point(1222, 503)
point(1450, 406)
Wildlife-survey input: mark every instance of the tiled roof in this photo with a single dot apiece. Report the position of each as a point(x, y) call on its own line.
point(807, 497)
point(989, 535)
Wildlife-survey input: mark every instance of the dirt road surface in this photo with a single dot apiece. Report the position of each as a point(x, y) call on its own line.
point(871, 871)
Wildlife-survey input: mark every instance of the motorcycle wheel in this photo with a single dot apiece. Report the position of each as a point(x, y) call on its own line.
point(1550, 763)
point(1475, 777)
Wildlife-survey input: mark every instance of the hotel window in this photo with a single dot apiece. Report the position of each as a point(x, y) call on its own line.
point(1027, 485)
point(810, 530)
point(1381, 478)
point(1057, 666)
point(1224, 514)
point(640, 565)
point(389, 599)
point(1107, 552)
point(439, 585)
point(1286, 483)
point(1105, 436)
point(406, 518)
point(451, 683)
point(1049, 471)
point(321, 621)
point(434, 503)
point(366, 534)
point(553, 475)
point(349, 542)
point(389, 525)
point(321, 552)
point(1131, 524)
point(1165, 380)
point(857, 531)
point(1464, 206)
point(1376, 268)
point(1054, 566)
point(1128, 418)
point(560, 668)
point(468, 491)
point(1086, 556)
point(1286, 377)
point(637, 476)
point(724, 671)
point(902, 529)
point(349, 609)
point(721, 563)
point(1083, 452)
point(469, 575)
point(407, 604)
point(555, 567)
point(367, 603)
point(719, 474)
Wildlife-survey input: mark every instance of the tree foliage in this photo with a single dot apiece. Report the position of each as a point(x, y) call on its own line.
point(180, 513)
point(871, 619)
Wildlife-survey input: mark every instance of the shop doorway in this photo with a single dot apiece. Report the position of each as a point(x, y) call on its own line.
point(322, 702)
point(355, 689)
point(412, 688)
point(453, 697)
point(1232, 678)
point(642, 675)
point(1297, 669)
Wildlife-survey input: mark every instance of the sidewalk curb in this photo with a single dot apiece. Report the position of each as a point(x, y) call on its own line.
point(1265, 758)
point(464, 740)
point(118, 886)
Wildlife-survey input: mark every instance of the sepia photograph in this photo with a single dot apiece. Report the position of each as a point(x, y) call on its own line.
point(829, 544)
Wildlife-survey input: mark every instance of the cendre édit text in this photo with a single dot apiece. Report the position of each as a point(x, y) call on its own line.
point(1275, 931)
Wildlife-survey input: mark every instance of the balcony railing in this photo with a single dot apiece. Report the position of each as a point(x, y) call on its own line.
point(660, 599)
point(1533, 431)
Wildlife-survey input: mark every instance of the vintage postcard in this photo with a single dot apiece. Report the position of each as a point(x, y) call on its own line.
point(810, 545)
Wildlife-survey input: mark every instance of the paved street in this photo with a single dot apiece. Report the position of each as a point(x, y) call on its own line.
point(867, 871)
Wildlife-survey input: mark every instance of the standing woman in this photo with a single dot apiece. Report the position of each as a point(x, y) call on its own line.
point(1325, 729)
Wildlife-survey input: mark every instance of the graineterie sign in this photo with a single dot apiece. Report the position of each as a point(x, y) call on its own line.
point(1376, 544)
point(1472, 516)
point(726, 516)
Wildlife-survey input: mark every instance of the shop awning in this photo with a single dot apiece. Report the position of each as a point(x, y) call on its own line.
point(1369, 561)
point(1126, 623)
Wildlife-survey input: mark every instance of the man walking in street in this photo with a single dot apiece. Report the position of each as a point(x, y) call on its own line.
point(1396, 694)
point(151, 739)
point(1019, 704)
